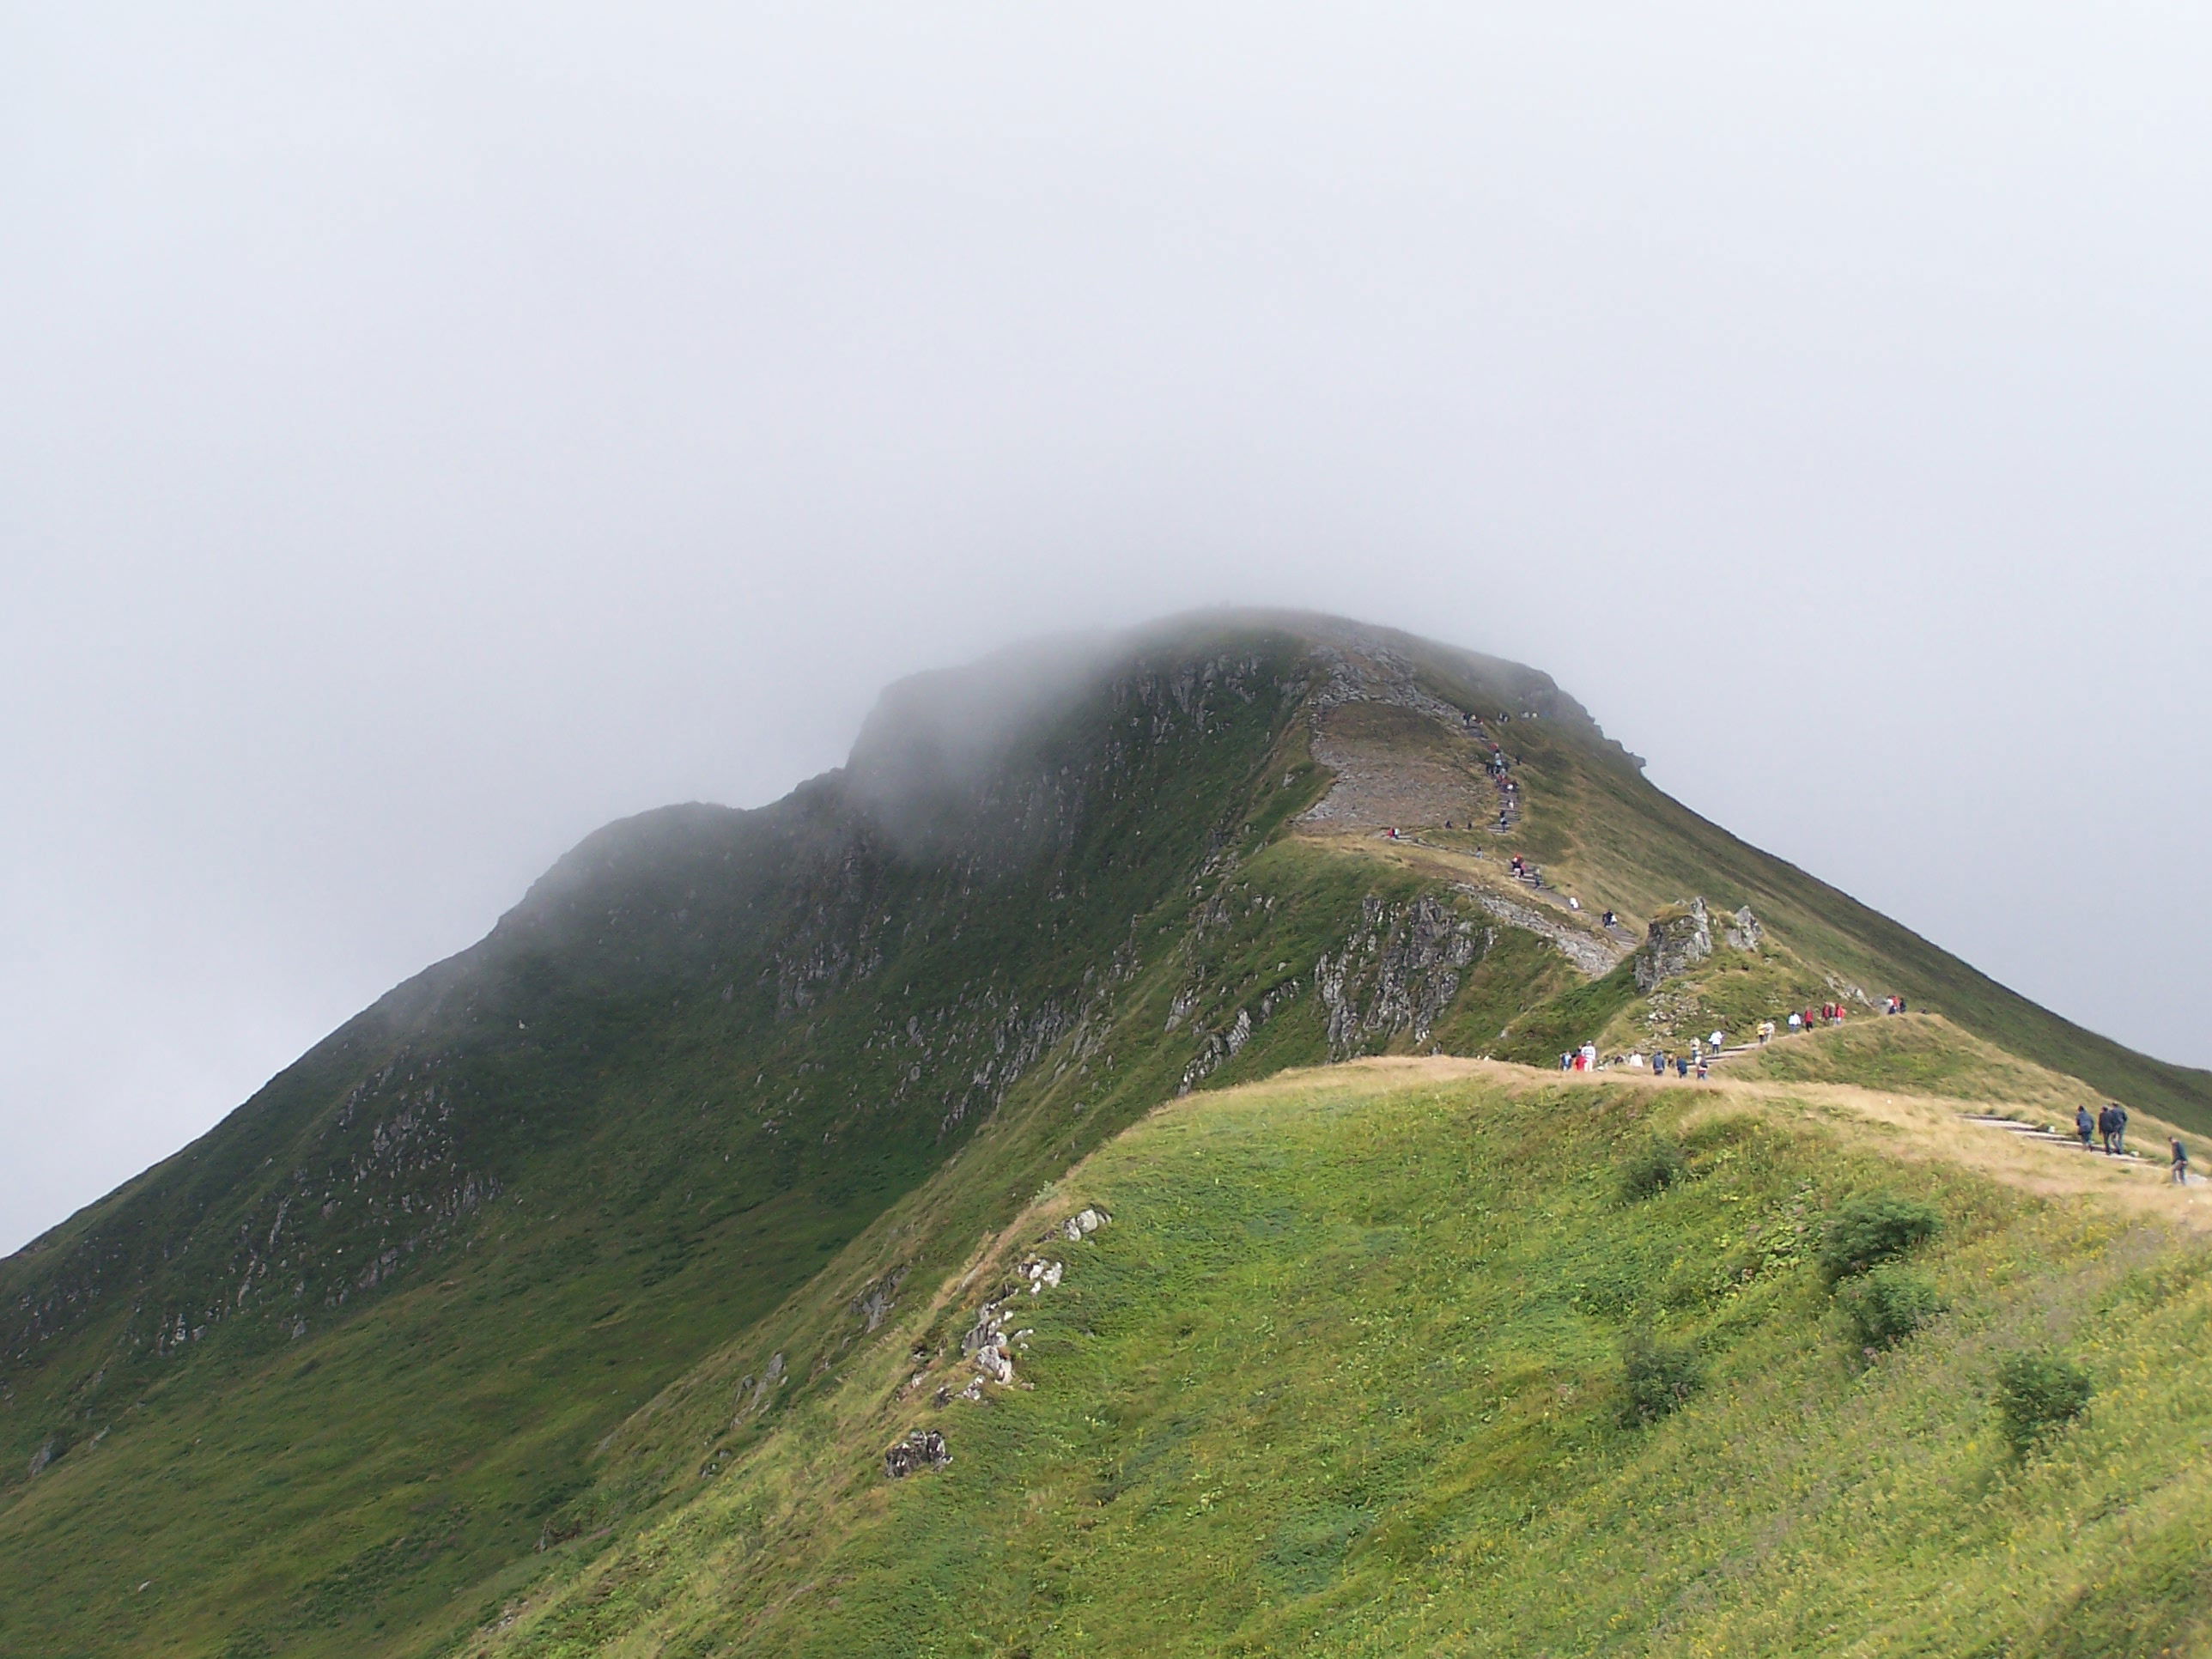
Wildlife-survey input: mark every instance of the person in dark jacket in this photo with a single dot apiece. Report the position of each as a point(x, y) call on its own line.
point(2084, 1126)
point(2118, 1139)
point(2181, 1163)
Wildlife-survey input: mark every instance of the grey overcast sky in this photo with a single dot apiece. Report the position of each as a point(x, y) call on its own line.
point(429, 431)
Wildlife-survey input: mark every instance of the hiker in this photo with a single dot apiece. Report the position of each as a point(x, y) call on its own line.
point(2181, 1163)
point(2084, 1126)
point(1610, 920)
point(1795, 1021)
point(2119, 1129)
point(1567, 1062)
point(1681, 1066)
point(1701, 1071)
point(1590, 1056)
point(1718, 1040)
point(1635, 1059)
point(2105, 1126)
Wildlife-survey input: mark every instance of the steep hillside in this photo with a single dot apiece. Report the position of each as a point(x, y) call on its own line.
point(1343, 1373)
point(513, 1262)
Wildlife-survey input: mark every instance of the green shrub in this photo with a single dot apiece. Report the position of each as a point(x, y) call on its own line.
point(1651, 1168)
point(1889, 1304)
point(1863, 1231)
point(2038, 1395)
point(1657, 1377)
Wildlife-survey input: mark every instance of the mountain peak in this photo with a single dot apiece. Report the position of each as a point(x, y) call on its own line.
point(727, 1085)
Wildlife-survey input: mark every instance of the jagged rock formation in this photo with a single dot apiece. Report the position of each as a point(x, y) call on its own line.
point(1680, 938)
point(1398, 972)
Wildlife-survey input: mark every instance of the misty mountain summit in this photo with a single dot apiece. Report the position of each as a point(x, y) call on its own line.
point(1096, 1175)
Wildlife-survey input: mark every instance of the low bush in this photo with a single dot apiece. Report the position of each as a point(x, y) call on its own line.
point(1889, 1304)
point(1650, 1169)
point(2037, 1394)
point(1864, 1232)
point(1657, 1377)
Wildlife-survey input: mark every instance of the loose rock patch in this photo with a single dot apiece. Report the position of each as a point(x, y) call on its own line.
point(924, 1449)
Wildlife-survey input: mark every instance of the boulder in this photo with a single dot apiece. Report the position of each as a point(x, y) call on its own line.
point(924, 1449)
point(1678, 941)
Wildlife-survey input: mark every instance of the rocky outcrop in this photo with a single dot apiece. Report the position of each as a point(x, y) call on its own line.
point(1397, 973)
point(1743, 932)
point(1680, 939)
point(924, 1449)
point(992, 1340)
point(770, 1379)
point(1220, 1048)
point(878, 1298)
point(1593, 957)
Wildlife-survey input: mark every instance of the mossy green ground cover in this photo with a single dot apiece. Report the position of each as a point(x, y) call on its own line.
point(1343, 1376)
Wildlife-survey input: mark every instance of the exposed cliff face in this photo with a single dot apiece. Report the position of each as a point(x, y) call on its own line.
point(1397, 973)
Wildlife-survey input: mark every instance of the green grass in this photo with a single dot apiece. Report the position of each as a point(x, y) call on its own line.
point(1917, 1053)
point(1343, 1376)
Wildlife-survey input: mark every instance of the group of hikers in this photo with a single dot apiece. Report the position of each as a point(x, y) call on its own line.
point(1804, 1019)
point(2110, 1126)
point(1697, 1063)
point(1703, 1050)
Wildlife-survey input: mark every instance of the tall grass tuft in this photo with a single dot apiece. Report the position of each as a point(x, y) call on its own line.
point(2037, 1394)
point(1886, 1304)
point(1657, 1377)
point(1864, 1232)
point(1651, 1168)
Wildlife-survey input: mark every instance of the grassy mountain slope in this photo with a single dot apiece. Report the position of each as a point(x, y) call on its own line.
point(555, 1236)
point(1343, 1376)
